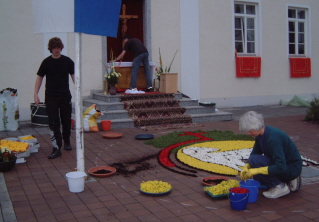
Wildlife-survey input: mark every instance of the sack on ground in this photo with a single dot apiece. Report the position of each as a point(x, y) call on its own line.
point(9, 110)
point(90, 116)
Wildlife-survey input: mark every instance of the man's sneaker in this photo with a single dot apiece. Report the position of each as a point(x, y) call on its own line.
point(133, 89)
point(55, 153)
point(277, 191)
point(149, 89)
point(295, 184)
point(67, 146)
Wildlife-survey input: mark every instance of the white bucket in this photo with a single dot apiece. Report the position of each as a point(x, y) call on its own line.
point(76, 181)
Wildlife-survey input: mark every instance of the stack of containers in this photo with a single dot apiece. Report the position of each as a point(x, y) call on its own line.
point(33, 143)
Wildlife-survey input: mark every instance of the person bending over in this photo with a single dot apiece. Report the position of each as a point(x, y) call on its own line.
point(274, 161)
point(140, 53)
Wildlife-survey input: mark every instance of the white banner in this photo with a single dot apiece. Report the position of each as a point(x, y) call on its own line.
point(53, 16)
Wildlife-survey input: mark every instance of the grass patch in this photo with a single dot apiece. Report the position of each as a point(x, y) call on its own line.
point(176, 137)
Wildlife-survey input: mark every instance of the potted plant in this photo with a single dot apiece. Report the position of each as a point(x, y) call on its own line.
point(7, 159)
point(111, 76)
point(167, 80)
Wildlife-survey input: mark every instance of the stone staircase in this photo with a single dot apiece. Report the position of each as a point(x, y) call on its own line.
point(113, 110)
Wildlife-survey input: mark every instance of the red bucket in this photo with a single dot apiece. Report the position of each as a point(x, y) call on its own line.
point(238, 198)
point(106, 125)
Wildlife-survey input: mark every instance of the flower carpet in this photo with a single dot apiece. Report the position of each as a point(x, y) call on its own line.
point(220, 152)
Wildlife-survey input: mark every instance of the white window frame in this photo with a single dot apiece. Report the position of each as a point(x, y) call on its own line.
point(257, 17)
point(307, 37)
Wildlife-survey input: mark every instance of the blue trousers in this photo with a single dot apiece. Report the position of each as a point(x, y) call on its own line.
point(256, 161)
point(142, 58)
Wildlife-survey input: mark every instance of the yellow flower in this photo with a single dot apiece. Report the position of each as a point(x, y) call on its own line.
point(14, 146)
point(223, 187)
point(27, 138)
point(155, 186)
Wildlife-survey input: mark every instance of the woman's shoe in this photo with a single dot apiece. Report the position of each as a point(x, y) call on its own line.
point(295, 184)
point(277, 191)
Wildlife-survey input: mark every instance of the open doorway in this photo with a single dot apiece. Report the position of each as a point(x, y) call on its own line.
point(132, 17)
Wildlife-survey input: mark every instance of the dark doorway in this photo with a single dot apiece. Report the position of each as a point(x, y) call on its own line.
point(134, 28)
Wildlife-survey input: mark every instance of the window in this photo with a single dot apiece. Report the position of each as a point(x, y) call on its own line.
point(297, 23)
point(245, 27)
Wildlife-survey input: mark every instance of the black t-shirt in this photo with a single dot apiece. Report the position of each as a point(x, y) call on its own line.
point(135, 46)
point(57, 75)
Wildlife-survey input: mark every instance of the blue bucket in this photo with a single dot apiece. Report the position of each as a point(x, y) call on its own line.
point(252, 186)
point(238, 201)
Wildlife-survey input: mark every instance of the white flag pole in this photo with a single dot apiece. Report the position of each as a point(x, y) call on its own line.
point(78, 105)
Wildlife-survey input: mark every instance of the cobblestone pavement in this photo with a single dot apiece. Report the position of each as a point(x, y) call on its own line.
point(38, 190)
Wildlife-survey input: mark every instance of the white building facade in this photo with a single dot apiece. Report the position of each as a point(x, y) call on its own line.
point(206, 34)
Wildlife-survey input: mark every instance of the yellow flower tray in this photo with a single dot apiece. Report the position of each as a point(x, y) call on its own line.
point(220, 196)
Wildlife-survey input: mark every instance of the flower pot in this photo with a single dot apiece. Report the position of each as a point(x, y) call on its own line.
point(6, 166)
point(112, 90)
point(168, 83)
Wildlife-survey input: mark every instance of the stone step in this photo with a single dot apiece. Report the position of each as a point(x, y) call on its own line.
point(120, 114)
point(114, 115)
point(104, 106)
point(116, 98)
point(113, 110)
point(110, 106)
point(199, 109)
point(196, 118)
point(119, 123)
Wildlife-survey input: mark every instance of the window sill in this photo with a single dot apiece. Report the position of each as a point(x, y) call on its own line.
point(246, 55)
point(297, 56)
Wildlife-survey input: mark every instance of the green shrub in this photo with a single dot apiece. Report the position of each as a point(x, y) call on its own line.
point(312, 114)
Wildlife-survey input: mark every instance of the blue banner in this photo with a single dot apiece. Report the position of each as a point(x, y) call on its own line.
point(97, 17)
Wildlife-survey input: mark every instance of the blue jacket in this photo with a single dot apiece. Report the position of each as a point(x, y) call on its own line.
point(286, 162)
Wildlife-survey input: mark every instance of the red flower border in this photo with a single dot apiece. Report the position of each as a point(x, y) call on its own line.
point(163, 156)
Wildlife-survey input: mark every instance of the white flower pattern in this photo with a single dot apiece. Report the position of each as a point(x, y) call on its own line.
point(231, 158)
point(223, 157)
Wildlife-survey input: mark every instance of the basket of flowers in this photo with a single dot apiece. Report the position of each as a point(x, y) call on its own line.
point(155, 187)
point(20, 149)
point(7, 159)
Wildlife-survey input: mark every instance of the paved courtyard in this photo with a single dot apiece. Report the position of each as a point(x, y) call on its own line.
point(38, 190)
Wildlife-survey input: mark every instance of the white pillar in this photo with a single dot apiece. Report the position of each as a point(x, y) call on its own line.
point(190, 60)
point(78, 105)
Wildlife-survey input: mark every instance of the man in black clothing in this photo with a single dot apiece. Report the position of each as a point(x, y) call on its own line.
point(136, 47)
point(57, 69)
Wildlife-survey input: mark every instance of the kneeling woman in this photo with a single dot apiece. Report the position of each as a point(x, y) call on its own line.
point(274, 161)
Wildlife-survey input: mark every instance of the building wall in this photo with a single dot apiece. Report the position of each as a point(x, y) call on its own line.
point(218, 81)
point(205, 66)
point(165, 33)
point(215, 68)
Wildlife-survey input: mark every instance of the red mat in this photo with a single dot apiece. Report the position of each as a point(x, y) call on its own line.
point(248, 66)
point(300, 67)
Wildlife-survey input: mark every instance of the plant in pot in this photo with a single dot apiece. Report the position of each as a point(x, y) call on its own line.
point(165, 78)
point(7, 159)
point(111, 76)
point(159, 70)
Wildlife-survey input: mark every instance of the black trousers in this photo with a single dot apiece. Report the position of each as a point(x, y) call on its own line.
point(59, 111)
